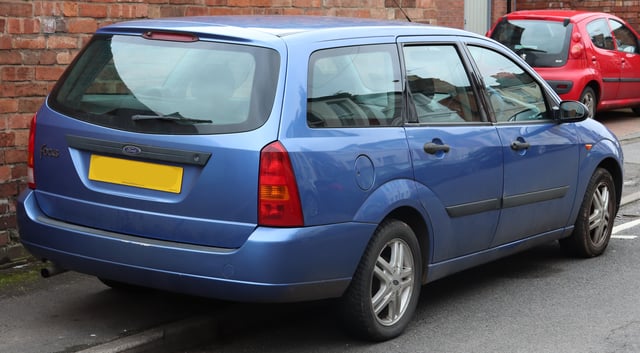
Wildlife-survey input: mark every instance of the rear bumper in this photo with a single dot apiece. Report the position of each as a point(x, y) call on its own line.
point(274, 265)
point(568, 81)
point(562, 87)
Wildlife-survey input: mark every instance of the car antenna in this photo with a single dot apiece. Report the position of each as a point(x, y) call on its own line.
point(402, 10)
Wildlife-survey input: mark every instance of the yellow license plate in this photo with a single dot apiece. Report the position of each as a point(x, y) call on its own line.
point(135, 173)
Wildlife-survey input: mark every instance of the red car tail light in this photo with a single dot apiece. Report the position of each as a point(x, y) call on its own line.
point(577, 48)
point(31, 181)
point(278, 200)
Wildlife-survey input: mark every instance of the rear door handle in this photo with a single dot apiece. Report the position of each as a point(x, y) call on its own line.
point(433, 148)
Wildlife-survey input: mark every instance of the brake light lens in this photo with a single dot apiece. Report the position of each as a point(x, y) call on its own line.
point(168, 36)
point(31, 181)
point(278, 199)
point(577, 48)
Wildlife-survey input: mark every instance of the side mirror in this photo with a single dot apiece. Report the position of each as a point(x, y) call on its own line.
point(572, 111)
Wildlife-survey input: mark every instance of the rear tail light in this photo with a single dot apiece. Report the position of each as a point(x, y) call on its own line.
point(577, 48)
point(31, 180)
point(278, 200)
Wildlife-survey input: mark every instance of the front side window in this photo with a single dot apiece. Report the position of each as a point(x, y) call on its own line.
point(440, 88)
point(513, 94)
point(600, 34)
point(354, 87)
point(168, 87)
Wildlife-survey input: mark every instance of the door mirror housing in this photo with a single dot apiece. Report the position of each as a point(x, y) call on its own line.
point(571, 111)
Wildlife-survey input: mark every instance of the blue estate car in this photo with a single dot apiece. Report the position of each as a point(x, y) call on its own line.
point(299, 158)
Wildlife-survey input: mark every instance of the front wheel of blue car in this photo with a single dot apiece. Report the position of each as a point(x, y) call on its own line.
point(384, 291)
point(595, 219)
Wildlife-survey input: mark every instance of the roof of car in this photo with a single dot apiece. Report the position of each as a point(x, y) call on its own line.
point(559, 15)
point(283, 26)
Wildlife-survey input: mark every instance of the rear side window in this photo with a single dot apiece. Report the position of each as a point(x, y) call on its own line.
point(166, 87)
point(539, 43)
point(354, 87)
point(600, 34)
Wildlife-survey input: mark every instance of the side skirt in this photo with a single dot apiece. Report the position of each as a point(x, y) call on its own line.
point(442, 269)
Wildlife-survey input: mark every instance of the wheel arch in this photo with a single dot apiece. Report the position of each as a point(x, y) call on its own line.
point(612, 166)
point(416, 222)
point(399, 199)
point(595, 86)
point(597, 92)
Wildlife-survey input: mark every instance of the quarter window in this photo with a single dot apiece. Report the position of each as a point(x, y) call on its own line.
point(354, 87)
point(513, 94)
point(440, 89)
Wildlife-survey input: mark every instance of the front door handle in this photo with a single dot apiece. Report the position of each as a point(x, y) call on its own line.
point(433, 148)
point(520, 145)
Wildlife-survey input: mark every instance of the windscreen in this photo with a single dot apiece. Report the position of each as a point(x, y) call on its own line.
point(169, 87)
point(540, 43)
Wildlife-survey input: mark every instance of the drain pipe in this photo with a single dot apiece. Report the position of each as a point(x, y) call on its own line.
point(51, 270)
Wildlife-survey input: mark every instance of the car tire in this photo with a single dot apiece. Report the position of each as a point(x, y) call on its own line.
point(595, 218)
point(636, 111)
point(384, 291)
point(588, 98)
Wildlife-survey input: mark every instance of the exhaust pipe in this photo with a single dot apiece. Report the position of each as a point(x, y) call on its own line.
point(51, 270)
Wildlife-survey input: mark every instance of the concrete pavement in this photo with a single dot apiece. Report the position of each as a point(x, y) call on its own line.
point(631, 149)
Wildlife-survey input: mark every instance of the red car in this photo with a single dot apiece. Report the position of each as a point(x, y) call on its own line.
point(592, 57)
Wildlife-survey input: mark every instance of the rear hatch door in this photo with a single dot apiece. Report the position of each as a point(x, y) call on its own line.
point(158, 134)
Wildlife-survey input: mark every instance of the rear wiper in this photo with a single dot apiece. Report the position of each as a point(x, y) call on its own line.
point(531, 50)
point(172, 117)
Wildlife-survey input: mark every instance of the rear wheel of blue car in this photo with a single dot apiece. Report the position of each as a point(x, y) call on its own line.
point(595, 218)
point(382, 297)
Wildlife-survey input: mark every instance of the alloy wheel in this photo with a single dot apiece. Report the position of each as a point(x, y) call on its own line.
point(600, 214)
point(392, 284)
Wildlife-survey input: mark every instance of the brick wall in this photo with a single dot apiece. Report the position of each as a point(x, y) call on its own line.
point(38, 39)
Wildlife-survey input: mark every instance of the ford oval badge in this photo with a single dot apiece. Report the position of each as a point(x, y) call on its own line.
point(130, 149)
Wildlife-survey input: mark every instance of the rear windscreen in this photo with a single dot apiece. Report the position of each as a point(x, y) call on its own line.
point(165, 87)
point(539, 43)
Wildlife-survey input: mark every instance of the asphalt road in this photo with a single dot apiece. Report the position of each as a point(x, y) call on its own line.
point(537, 301)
